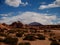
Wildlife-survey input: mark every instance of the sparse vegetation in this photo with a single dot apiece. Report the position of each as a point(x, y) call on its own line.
point(29, 37)
point(11, 31)
point(40, 37)
point(24, 43)
point(1, 39)
point(28, 34)
point(51, 34)
point(19, 34)
point(3, 34)
point(59, 40)
point(11, 41)
point(54, 43)
point(50, 39)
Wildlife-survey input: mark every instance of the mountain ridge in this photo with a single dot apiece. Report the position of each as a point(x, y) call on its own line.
point(35, 24)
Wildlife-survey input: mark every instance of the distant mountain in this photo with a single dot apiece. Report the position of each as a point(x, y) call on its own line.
point(35, 24)
point(17, 24)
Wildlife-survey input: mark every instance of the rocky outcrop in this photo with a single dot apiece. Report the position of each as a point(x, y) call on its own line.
point(5, 27)
point(17, 24)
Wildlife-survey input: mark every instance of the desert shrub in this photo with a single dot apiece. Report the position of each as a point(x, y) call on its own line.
point(59, 40)
point(25, 31)
point(54, 43)
point(19, 34)
point(2, 34)
point(29, 37)
point(11, 41)
point(1, 40)
point(49, 30)
point(51, 39)
point(18, 30)
point(40, 37)
point(33, 31)
point(25, 43)
point(45, 30)
point(1, 30)
point(51, 34)
point(11, 31)
point(33, 34)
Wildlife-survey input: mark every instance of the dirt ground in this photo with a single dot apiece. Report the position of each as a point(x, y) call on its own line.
point(37, 42)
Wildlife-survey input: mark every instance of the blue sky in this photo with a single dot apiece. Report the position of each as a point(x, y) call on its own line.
point(42, 11)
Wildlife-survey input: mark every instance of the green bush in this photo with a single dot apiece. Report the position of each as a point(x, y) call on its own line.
point(2, 34)
point(59, 40)
point(29, 37)
point(45, 30)
point(11, 31)
point(26, 43)
point(18, 31)
point(40, 37)
point(11, 41)
point(1, 30)
point(51, 34)
point(19, 34)
point(1, 40)
point(25, 31)
point(54, 43)
point(51, 39)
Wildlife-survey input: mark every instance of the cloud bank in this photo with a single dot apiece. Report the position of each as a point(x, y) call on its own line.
point(28, 17)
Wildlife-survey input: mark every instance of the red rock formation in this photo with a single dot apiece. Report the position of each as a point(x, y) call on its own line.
point(17, 24)
point(4, 27)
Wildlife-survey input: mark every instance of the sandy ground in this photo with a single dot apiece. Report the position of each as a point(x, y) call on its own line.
point(37, 42)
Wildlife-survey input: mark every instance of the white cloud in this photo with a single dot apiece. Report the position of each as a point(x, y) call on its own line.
point(14, 3)
point(28, 17)
point(24, 4)
point(58, 21)
point(43, 3)
point(6, 15)
point(52, 5)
